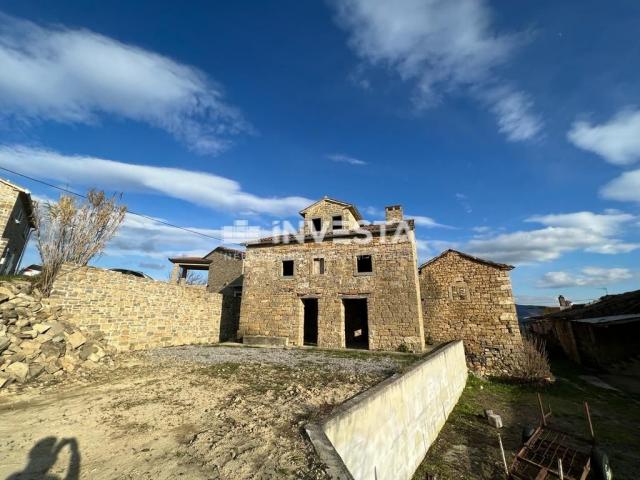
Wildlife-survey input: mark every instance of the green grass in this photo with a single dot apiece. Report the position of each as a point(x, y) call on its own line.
point(615, 417)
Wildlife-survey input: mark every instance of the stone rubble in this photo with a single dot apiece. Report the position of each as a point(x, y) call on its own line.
point(36, 342)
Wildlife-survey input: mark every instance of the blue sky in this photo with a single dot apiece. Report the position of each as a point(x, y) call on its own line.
point(509, 130)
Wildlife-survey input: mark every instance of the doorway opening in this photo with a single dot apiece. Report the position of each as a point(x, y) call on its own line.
point(310, 332)
point(356, 323)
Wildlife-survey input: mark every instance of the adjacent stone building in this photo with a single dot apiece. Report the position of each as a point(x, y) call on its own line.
point(470, 299)
point(335, 284)
point(224, 275)
point(16, 223)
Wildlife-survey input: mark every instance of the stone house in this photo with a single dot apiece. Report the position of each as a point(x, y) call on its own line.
point(16, 222)
point(223, 266)
point(470, 299)
point(335, 284)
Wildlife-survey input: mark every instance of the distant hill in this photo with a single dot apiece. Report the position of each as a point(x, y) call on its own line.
point(525, 311)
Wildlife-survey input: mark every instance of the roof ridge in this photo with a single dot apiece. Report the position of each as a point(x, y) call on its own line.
point(502, 266)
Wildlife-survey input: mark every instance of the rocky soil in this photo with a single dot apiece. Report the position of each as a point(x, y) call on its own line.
point(184, 412)
point(35, 341)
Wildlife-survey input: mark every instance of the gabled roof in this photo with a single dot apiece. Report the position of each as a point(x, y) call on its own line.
point(226, 250)
point(501, 266)
point(25, 195)
point(350, 206)
point(190, 260)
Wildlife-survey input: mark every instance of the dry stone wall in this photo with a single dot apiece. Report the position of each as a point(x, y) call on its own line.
point(36, 342)
point(137, 313)
point(467, 300)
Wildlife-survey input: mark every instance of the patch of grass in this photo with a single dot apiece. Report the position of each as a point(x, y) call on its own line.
point(467, 446)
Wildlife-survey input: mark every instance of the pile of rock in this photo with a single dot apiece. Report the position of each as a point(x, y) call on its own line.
point(34, 340)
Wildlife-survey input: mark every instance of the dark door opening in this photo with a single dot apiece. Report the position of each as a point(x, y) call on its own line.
point(356, 323)
point(310, 321)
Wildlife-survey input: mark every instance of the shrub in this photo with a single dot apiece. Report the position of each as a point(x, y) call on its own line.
point(532, 364)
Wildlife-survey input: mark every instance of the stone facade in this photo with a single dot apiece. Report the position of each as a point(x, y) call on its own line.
point(16, 223)
point(325, 274)
point(469, 299)
point(225, 268)
point(136, 313)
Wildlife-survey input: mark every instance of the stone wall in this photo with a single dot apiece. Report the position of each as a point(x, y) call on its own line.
point(272, 304)
point(385, 432)
point(136, 313)
point(471, 300)
point(225, 267)
point(325, 210)
point(15, 228)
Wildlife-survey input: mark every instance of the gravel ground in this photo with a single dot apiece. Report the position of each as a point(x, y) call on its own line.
point(352, 362)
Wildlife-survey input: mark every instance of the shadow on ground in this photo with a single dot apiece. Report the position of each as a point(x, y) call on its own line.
point(44, 455)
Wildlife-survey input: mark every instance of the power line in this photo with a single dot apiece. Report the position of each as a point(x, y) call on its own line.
point(195, 232)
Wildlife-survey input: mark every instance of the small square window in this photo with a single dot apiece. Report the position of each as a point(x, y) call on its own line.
point(318, 266)
point(287, 268)
point(364, 264)
point(316, 224)
point(336, 222)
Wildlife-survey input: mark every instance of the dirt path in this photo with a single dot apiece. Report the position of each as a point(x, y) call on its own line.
point(198, 412)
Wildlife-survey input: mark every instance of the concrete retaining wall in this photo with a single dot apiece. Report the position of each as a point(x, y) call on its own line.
point(136, 313)
point(385, 432)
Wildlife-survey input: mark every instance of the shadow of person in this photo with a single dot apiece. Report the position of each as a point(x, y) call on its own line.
point(44, 455)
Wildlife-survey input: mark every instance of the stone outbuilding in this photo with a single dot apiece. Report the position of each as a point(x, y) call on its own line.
point(335, 284)
point(470, 299)
point(16, 222)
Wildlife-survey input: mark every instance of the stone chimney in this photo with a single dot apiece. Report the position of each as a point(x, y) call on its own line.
point(393, 213)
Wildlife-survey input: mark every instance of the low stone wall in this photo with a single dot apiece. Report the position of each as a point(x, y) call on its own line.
point(137, 313)
point(385, 432)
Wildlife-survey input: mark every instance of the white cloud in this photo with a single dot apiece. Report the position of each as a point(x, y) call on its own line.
point(75, 75)
point(339, 157)
point(590, 276)
point(144, 237)
point(617, 141)
point(608, 223)
point(463, 200)
point(428, 222)
point(200, 188)
point(431, 248)
point(443, 46)
point(625, 188)
point(563, 233)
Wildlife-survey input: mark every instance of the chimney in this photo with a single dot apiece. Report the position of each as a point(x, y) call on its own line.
point(393, 214)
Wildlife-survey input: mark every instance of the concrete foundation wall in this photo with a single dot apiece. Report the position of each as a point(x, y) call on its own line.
point(385, 432)
point(136, 313)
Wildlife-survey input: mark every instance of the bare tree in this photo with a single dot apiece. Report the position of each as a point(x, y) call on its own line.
point(194, 278)
point(72, 232)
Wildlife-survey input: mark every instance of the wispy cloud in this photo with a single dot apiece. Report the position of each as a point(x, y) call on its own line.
point(463, 200)
point(562, 233)
point(427, 222)
point(341, 158)
point(617, 140)
point(200, 188)
point(154, 241)
point(75, 76)
point(442, 46)
point(590, 276)
point(625, 188)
